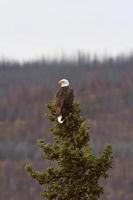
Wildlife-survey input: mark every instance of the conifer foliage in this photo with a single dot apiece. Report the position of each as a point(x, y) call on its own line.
point(77, 170)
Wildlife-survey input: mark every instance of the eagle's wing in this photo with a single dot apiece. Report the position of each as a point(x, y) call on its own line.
point(67, 103)
point(64, 101)
point(60, 98)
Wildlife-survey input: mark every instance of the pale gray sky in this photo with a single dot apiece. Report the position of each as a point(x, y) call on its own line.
point(33, 28)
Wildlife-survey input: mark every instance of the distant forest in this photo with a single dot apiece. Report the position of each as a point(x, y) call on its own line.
point(104, 88)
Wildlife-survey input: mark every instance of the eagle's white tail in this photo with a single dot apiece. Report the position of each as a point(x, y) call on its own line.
point(59, 119)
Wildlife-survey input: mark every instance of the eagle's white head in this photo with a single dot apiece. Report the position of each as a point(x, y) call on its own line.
point(64, 82)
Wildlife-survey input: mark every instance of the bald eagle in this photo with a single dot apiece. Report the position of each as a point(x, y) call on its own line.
point(64, 100)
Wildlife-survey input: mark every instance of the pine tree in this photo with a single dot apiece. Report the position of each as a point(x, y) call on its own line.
point(77, 170)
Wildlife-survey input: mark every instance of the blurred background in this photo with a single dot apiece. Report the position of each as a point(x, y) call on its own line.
point(88, 42)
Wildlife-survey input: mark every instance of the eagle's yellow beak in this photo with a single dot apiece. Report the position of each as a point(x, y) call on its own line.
point(60, 82)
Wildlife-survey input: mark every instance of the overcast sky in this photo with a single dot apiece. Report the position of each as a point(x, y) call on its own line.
point(33, 28)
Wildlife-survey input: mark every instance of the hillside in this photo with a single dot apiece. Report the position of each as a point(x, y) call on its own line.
point(104, 89)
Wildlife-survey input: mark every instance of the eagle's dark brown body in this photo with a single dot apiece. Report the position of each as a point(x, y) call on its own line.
point(64, 101)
